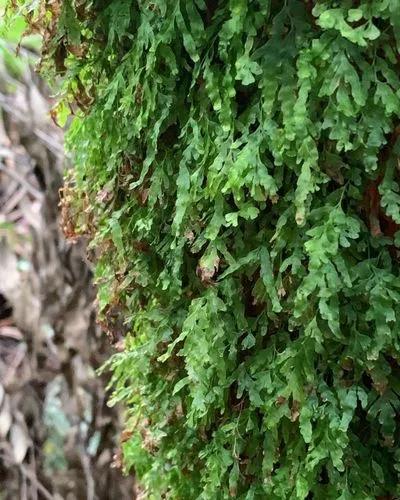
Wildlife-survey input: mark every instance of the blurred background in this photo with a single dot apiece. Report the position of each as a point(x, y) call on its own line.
point(58, 438)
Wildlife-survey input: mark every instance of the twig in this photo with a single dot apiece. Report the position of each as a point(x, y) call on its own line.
point(24, 488)
point(33, 467)
point(15, 175)
point(52, 144)
point(34, 480)
point(88, 476)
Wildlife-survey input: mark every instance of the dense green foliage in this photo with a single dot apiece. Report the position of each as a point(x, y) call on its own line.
point(237, 172)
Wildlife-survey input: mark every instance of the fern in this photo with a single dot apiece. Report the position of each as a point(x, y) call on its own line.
point(236, 170)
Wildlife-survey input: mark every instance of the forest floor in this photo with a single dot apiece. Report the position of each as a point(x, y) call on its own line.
point(58, 437)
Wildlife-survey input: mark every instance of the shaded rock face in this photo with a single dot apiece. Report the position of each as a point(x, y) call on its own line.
point(58, 438)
